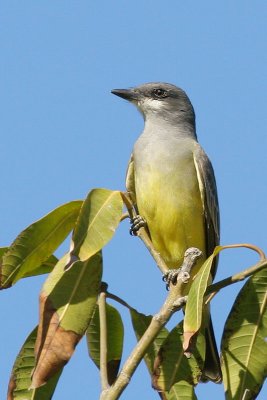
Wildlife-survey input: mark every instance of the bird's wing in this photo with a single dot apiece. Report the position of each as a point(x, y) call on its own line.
point(207, 184)
point(209, 196)
point(130, 180)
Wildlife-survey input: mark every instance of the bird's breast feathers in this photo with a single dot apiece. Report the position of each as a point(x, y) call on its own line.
point(168, 197)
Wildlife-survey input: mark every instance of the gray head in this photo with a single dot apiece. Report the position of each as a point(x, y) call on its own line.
point(162, 101)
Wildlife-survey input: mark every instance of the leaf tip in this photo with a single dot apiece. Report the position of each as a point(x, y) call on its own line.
point(72, 259)
point(189, 343)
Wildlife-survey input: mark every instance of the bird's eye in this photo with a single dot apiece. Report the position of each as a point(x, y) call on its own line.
point(160, 93)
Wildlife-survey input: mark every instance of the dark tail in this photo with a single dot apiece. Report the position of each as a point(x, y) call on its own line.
point(212, 368)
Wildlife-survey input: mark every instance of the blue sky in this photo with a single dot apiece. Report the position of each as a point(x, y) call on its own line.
point(63, 133)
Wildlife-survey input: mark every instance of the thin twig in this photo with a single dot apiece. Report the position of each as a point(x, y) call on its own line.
point(103, 340)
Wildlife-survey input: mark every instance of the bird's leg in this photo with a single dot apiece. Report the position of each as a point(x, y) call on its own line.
point(191, 256)
point(137, 223)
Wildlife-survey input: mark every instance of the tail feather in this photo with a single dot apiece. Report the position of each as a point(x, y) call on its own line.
point(212, 368)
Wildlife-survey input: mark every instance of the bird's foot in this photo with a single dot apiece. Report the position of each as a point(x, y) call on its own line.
point(137, 223)
point(171, 277)
point(183, 273)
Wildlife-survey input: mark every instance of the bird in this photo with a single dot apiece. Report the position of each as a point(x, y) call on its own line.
point(171, 182)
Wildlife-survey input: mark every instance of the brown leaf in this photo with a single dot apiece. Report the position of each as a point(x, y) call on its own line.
point(54, 345)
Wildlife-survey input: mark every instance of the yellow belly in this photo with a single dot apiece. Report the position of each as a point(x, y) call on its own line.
point(172, 206)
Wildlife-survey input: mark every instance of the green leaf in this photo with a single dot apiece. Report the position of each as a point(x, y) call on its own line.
point(140, 324)
point(115, 334)
point(244, 346)
point(172, 366)
point(37, 243)
point(20, 380)
point(46, 267)
point(182, 390)
point(98, 219)
point(195, 302)
point(67, 303)
point(3, 250)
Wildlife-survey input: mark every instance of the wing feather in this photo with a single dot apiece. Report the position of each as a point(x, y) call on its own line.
point(208, 189)
point(130, 180)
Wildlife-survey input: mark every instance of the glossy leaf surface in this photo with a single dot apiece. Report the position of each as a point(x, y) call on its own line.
point(20, 380)
point(115, 333)
point(37, 243)
point(97, 222)
point(244, 346)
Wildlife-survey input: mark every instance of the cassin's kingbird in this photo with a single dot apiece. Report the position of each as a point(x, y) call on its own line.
point(171, 181)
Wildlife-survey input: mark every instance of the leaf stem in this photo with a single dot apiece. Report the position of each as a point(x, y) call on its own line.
point(248, 246)
point(118, 300)
point(213, 289)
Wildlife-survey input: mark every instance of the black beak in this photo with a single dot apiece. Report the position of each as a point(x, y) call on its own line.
point(127, 94)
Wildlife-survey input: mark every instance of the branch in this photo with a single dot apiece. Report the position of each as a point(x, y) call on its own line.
point(173, 303)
